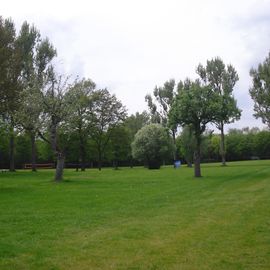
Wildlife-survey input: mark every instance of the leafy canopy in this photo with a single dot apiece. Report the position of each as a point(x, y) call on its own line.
point(195, 105)
point(221, 79)
point(260, 90)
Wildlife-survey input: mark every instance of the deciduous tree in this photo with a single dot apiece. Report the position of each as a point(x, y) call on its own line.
point(136, 121)
point(119, 145)
point(260, 90)
point(10, 83)
point(37, 55)
point(79, 97)
point(55, 113)
point(222, 80)
point(161, 104)
point(195, 106)
point(106, 112)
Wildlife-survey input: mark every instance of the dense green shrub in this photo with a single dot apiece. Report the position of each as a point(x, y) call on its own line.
point(152, 144)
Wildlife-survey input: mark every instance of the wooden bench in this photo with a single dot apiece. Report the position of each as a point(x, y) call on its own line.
point(39, 166)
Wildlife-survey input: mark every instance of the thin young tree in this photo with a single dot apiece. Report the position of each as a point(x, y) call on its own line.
point(222, 80)
point(37, 56)
point(10, 83)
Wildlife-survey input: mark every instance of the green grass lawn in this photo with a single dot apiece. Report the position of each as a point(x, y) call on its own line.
point(137, 219)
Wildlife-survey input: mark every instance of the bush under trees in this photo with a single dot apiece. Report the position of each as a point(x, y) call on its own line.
point(152, 145)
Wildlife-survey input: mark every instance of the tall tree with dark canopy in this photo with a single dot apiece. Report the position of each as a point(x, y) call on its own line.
point(260, 90)
point(36, 58)
point(222, 80)
point(136, 121)
point(195, 105)
point(106, 112)
point(79, 97)
point(10, 83)
point(119, 145)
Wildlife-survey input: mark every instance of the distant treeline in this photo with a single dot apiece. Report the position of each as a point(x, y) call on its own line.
point(241, 144)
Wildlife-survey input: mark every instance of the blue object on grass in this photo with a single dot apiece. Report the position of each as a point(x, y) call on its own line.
point(177, 164)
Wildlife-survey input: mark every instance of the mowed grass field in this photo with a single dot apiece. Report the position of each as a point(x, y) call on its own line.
point(137, 219)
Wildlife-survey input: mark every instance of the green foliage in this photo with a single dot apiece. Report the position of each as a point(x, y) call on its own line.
point(135, 122)
point(260, 90)
point(248, 144)
point(209, 148)
point(23, 150)
point(153, 145)
point(221, 79)
point(10, 69)
point(106, 113)
point(160, 107)
point(262, 144)
point(187, 144)
point(119, 146)
point(79, 98)
point(23, 65)
point(195, 106)
point(45, 153)
point(4, 145)
point(37, 55)
point(214, 147)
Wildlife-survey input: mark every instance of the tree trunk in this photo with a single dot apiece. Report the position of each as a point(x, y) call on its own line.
point(174, 143)
point(59, 167)
point(82, 162)
point(82, 153)
point(33, 148)
point(197, 158)
point(11, 151)
point(115, 164)
point(189, 164)
point(222, 146)
point(99, 165)
point(99, 159)
point(59, 154)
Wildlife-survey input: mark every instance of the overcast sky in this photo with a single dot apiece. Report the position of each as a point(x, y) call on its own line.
point(132, 46)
